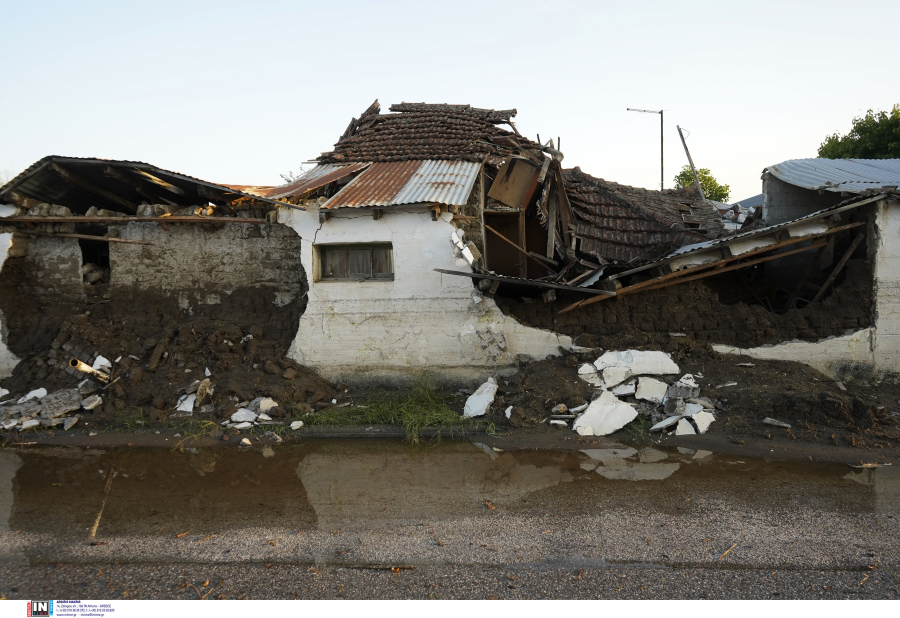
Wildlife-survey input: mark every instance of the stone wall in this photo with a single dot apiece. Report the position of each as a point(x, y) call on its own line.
point(237, 272)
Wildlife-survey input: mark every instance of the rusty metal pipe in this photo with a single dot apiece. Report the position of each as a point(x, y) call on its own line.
point(85, 368)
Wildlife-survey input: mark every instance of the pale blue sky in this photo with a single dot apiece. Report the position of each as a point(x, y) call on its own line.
point(239, 92)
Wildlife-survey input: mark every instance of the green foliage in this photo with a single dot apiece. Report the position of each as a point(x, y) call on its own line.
point(421, 407)
point(711, 188)
point(874, 136)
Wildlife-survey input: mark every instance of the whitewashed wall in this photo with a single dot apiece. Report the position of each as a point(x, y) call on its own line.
point(422, 320)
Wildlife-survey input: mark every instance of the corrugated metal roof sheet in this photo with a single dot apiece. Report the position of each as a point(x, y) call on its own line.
point(851, 175)
point(409, 182)
point(318, 176)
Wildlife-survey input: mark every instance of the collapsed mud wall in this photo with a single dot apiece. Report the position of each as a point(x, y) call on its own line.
point(695, 310)
point(237, 272)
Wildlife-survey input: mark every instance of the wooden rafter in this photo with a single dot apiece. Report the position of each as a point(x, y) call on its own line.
point(87, 185)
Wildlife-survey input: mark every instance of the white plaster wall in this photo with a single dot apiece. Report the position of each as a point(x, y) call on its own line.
point(835, 356)
point(887, 286)
point(8, 360)
point(422, 320)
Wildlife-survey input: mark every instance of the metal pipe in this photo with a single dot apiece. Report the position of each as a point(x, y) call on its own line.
point(85, 368)
point(691, 161)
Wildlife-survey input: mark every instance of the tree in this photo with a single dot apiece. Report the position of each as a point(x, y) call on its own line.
point(711, 188)
point(292, 176)
point(874, 136)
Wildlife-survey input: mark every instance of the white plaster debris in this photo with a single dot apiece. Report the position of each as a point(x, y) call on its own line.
point(604, 415)
point(841, 386)
point(243, 426)
point(38, 393)
point(562, 423)
point(727, 384)
point(666, 423)
point(651, 389)
point(102, 364)
point(508, 412)
point(245, 442)
point(774, 423)
point(588, 373)
point(478, 402)
point(684, 428)
point(263, 417)
point(745, 365)
point(703, 420)
point(9, 424)
point(673, 335)
point(559, 409)
point(628, 388)
point(29, 424)
point(616, 367)
point(267, 403)
point(91, 402)
point(3, 392)
point(703, 402)
point(243, 416)
point(206, 372)
point(691, 409)
point(69, 422)
point(88, 387)
point(577, 349)
point(296, 425)
point(580, 408)
point(186, 403)
point(60, 403)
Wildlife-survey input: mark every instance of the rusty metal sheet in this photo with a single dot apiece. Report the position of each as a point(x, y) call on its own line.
point(409, 182)
point(512, 182)
point(318, 176)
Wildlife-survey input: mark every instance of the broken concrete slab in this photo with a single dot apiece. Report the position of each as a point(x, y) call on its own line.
point(702, 421)
point(51, 422)
point(589, 374)
point(627, 388)
point(88, 387)
point(685, 428)
point(774, 423)
point(703, 401)
point(89, 403)
point(266, 404)
point(296, 425)
point(69, 422)
point(60, 403)
point(29, 424)
point(686, 387)
point(690, 409)
point(618, 366)
point(604, 415)
point(26, 410)
point(9, 424)
point(246, 425)
point(263, 417)
point(243, 416)
point(38, 393)
point(559, 423)
point(651, 389)
point(666, 423)
point(186, 403)
point(480, 401)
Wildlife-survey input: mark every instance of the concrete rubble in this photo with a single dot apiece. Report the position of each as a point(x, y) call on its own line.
point(604, 415)
point(480, 401)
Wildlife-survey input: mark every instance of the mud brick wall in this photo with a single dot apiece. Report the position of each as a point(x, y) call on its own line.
point(239, 272)
point(694, 309)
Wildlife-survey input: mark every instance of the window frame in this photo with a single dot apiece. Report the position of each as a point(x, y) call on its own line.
point(322, 249)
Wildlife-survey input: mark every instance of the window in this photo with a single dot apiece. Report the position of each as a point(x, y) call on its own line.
point(356, 262)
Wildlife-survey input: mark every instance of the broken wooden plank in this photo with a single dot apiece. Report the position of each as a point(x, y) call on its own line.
point(529, 282)
point(533, 256)
point(840, 266)
point(89, 237)
point(795, 294)
point(159, 182)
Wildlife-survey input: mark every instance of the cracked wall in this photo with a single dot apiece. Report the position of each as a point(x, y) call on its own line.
point(387, 331)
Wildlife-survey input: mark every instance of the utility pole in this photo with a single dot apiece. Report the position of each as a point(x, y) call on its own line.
point(691, 161)
point(662, 176)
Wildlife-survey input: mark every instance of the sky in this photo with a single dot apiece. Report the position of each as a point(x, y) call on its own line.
point(240, 92)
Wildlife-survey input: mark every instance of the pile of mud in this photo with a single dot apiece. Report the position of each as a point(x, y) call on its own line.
point(153, 368)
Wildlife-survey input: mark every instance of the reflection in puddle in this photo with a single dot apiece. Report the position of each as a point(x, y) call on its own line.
point(885, 480)
point(614, 464)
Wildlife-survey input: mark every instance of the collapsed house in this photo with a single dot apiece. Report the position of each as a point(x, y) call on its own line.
point(434, 237)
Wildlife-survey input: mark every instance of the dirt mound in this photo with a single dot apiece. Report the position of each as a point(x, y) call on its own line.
point(152, 370)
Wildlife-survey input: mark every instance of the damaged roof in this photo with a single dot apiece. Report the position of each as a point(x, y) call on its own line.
point(420, 131)
point(409, 182)
point(839, 175)
point(79, 183)
point(629, 225)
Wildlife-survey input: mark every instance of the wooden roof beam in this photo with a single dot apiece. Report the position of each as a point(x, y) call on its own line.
point(79, 181)
point(137, 185)
point(159, 182)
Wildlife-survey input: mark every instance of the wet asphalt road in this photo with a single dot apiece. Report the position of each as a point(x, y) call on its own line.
point(381, 519)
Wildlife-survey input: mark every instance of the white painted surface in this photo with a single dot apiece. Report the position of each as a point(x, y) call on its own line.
point(618, 366)
point(651, 389)
point(828, 355)
point(8, 360)
point(480, 401)
point(741, 247)
point(886, 336)
point(421, 320)
point(605, 415)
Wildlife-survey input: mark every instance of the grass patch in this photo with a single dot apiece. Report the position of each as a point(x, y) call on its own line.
point(421, 407)
point(638, 429)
